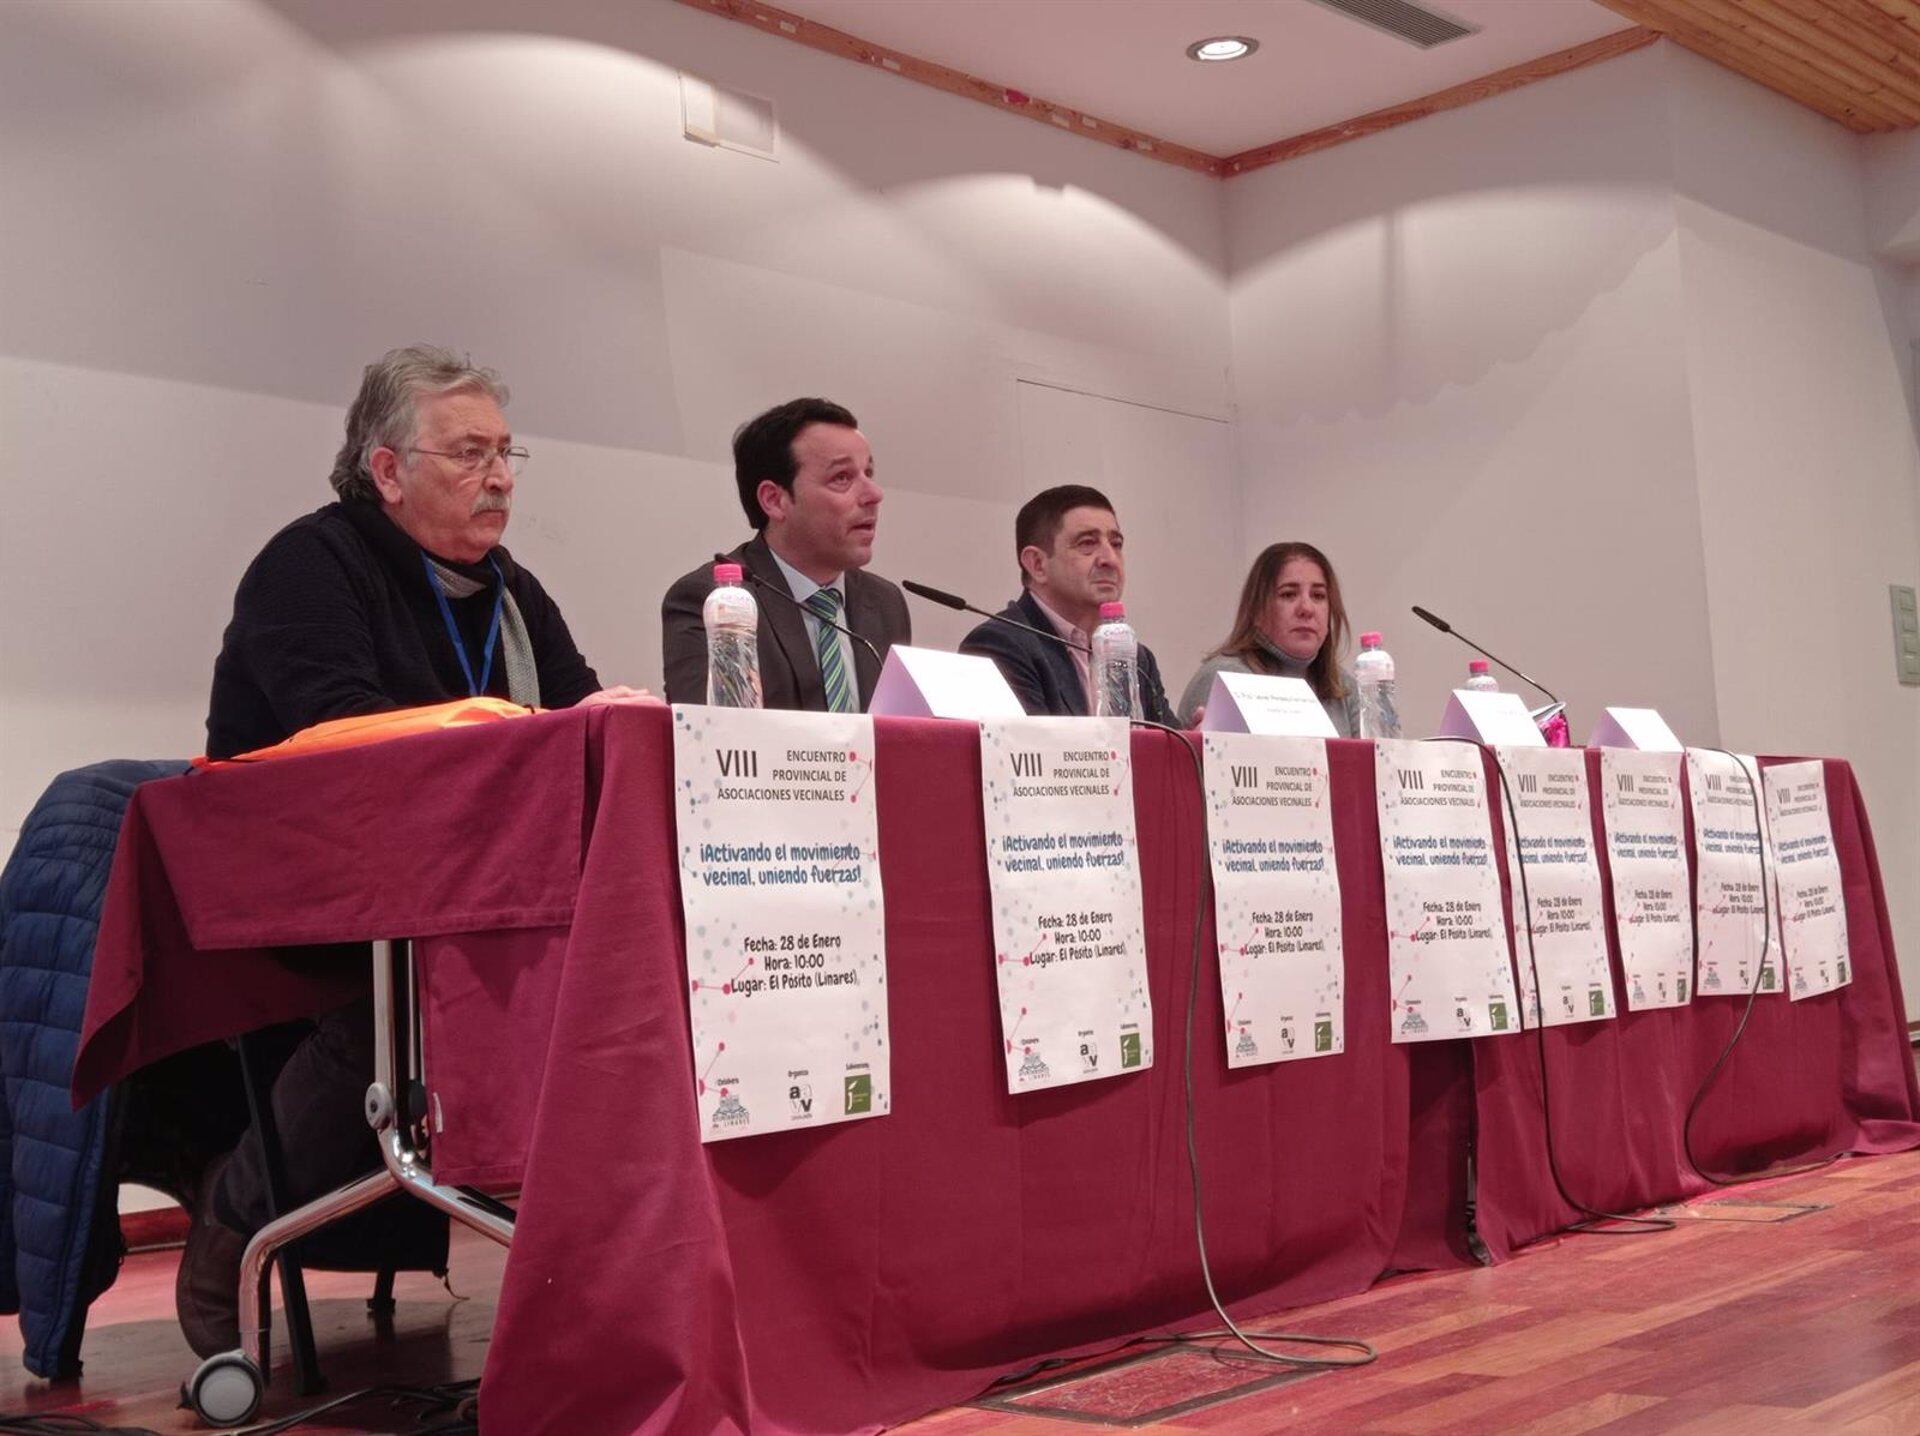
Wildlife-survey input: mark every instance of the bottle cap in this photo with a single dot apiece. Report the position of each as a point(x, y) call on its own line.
point(1476, 665)
point(726, 573)
point(1112, 610)
point(1369, 640)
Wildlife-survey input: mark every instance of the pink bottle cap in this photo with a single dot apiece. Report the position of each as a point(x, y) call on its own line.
point(726, 573)
point(1369, 640)
point(1113, 610)
point(1476, 665)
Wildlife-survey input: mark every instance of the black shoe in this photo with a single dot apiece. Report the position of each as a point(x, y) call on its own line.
point(206, 1291)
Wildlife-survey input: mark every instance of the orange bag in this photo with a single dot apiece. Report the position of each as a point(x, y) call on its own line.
point(378, 727)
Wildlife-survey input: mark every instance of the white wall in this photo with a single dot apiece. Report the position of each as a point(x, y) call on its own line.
point(1460, 370)
point(1608, 372)
point(218, 212)
point(1806, 467)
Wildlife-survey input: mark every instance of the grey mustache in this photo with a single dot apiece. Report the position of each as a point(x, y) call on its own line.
point(494, 499)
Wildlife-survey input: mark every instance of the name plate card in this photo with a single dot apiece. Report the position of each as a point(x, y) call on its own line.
point(1490, 718)
point(1641, 728)
point(786, 932)
point(1730, 903)
point(927, 683)
point(1276, 898)
point(1813, 914)
point(1447, 954)
point(1063, 864)
point(1652, 894)
point(1258, 703)
point(1555, 887)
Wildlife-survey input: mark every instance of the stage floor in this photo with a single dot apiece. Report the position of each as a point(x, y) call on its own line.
point(1794, 1305)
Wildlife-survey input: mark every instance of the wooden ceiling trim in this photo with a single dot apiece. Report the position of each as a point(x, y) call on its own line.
point(1778, 72)
point(1877, 22)
point(1854, 61)
point(1576, 57)
point(1905, 11)
point(1750, 19)
point(1823, 30)
point(816, 36)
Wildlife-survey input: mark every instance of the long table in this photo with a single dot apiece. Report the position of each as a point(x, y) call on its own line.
point(856, 1275)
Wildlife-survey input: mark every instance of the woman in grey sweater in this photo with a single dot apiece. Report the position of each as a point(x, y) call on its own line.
point(1291, 624)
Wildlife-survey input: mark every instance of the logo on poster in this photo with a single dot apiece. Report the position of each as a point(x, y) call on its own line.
point(859, 1091)
point(800, 1094)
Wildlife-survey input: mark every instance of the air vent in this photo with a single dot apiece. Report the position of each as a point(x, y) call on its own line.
point(728, 119)
point(1412, 23)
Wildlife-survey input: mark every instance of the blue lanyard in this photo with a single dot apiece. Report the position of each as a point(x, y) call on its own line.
point(474, 690)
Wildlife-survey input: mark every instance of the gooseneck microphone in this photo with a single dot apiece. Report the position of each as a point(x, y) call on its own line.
point(780, 592)
point(953, 600)
point(1445, 627)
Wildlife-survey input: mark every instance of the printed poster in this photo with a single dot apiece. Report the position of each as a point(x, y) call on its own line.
point(786, 930)
point(1063, 864)
point(1558, 894)
point(1652, 894)
point(1447, 954)
point(1813, 912)
point(1276, 898)
point(1730, 906)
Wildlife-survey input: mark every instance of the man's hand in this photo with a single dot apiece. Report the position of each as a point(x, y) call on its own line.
point(619, 693)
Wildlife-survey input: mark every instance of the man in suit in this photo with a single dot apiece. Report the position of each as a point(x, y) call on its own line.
point(1072, 559)
point(805, 474)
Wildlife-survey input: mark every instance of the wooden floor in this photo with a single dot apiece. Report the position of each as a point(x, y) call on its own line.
point(1737, 1322)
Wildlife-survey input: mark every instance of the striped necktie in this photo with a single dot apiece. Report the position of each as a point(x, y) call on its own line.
point(824, 604)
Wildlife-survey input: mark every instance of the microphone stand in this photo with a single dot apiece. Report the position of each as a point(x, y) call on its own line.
point(953, 600)
point(787, 598)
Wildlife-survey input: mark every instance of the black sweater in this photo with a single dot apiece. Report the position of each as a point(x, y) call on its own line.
point(336, 618)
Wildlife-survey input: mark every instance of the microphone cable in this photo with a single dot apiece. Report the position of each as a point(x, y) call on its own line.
point(1630, 1226)
point(1229, 1327)
point(1760, 831)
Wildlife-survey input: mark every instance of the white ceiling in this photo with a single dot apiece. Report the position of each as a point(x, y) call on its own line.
point(1125, 60)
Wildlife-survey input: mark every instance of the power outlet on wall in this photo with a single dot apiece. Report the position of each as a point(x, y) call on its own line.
point(1906, 633)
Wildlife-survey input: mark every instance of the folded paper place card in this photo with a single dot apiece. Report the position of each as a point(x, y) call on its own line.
point(1641, 728)
point(927, 683)
point(1256, 703)
point(1492, 718)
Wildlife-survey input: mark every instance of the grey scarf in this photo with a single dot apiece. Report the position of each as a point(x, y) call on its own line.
point(516, 649)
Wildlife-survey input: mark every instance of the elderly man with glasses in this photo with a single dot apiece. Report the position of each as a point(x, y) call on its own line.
point(394, 596)
point(398, 594)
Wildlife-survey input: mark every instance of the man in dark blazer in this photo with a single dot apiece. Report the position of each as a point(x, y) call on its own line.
point(1072, 560)
point(805, 475)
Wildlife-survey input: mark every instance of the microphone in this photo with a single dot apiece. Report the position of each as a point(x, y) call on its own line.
point(953, 600)
point(787, 598)
point(1445, 627)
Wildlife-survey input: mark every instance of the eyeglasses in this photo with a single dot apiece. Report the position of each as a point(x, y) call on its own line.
point(477, 458)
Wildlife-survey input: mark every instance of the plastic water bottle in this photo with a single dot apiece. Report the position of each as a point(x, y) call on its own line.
point(1379, 701)
point(1479, 679)
point(733, 641)
point(1116, 665)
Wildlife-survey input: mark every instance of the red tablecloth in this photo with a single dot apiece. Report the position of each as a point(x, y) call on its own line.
point(858, 1274)
point(1827, 1074)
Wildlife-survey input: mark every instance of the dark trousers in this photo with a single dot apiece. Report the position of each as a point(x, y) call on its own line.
point(319, 1106)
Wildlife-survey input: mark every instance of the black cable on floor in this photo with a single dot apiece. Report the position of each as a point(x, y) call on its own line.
point(1202, 901)
point(453, 1401)
point(1753, 994)
point(54, 1423)
point(1630, 1226)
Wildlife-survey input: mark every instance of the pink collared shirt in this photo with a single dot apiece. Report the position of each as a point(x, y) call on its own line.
point(1078, 644)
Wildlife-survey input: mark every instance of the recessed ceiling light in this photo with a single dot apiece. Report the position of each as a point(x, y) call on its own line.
point(1222, 47)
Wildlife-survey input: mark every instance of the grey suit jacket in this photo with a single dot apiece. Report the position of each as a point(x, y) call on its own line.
point(789, 672)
